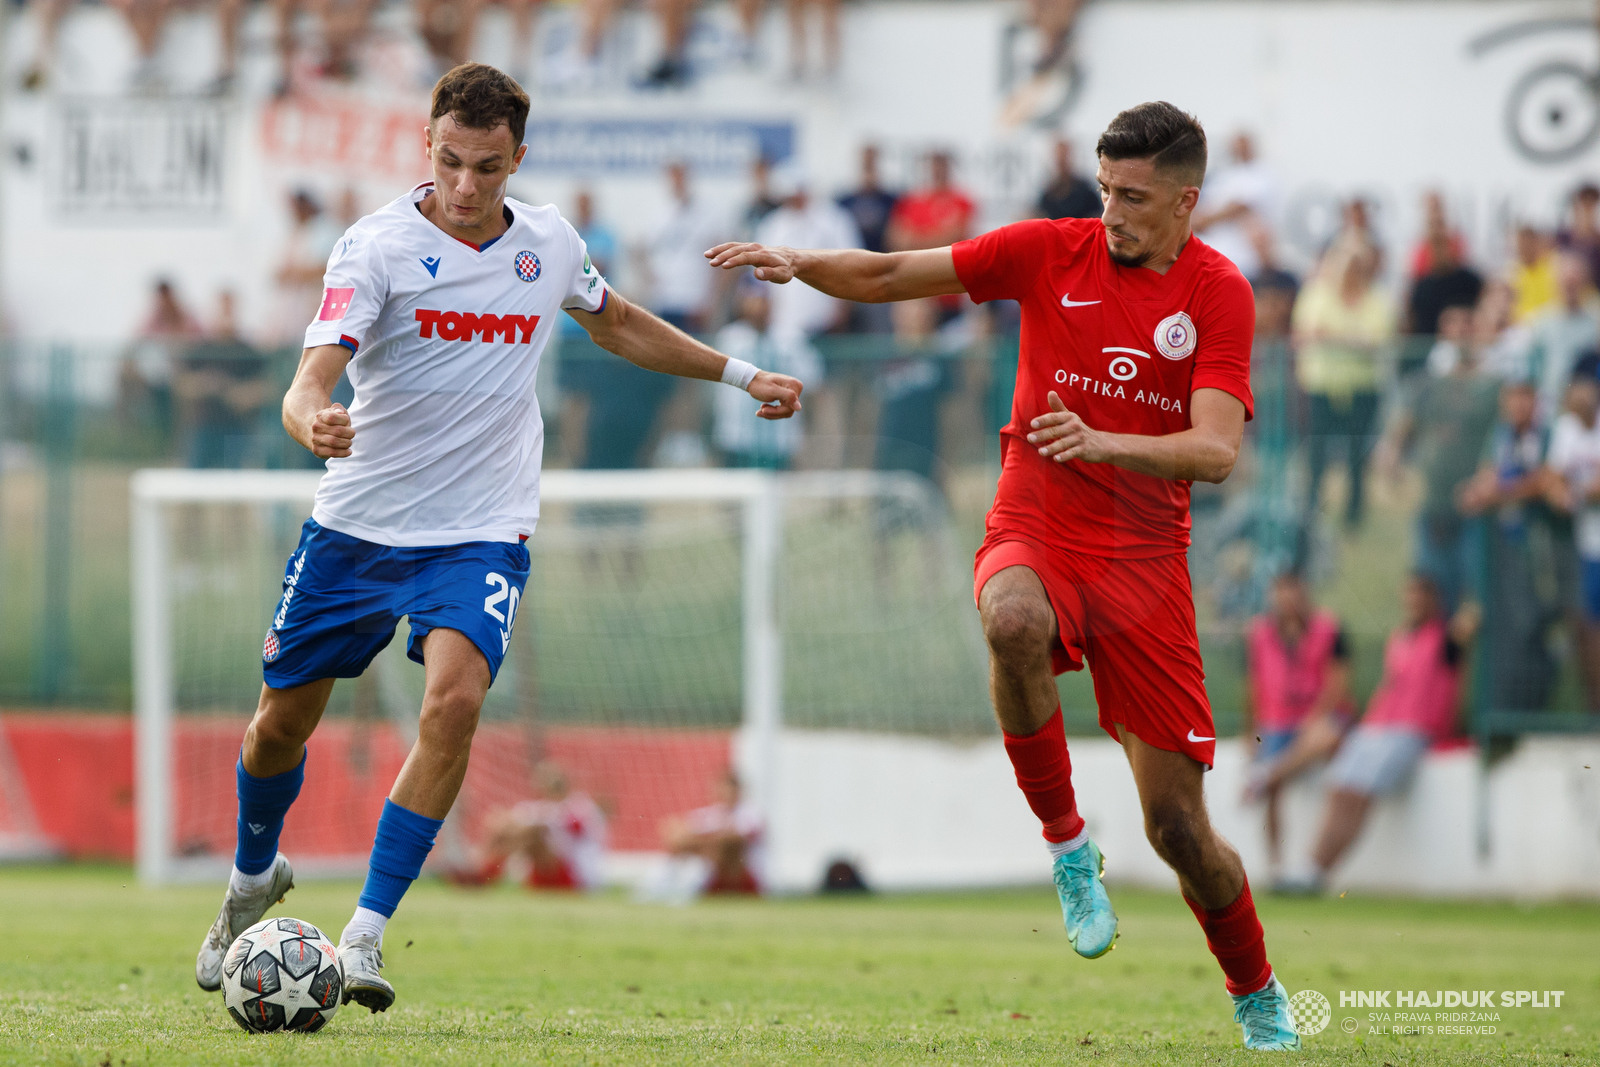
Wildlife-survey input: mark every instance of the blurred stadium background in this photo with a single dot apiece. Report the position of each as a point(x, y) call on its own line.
point(174, 176)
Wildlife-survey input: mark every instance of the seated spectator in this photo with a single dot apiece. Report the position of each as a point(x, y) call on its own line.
point(1532, 275)
point(1507, 492)
point(1356, 230)
point(301, 266)
point(1501, 344)
point(561, 838)
point(1238, 199)
point(1563, 333)
point(805, 221)
point(1044, 97)
point(1416, 705)
point(763, 201)
point(1574, 489)
point(714, 849)
point(449, 29)
point(745, 439)
point(1297, 700)
point(343, 26)
point(1444, 427)
point(676, 18)
point(828, 15)
point(938, 215)
point(1437, 234)
point(1582, 236)
point(1069, 195)
point(869, 204)
point(221, 386)
point(932, 217)
point(1343, 325)
point(144, 379)
point(147, 20)
point(1448, 284)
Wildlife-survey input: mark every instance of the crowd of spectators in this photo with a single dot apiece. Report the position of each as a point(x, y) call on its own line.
point(328, 39)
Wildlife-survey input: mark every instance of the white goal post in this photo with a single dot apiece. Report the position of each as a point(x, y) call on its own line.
point(160, 498)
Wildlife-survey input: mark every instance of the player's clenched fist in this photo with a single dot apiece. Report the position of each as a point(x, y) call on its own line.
point(331, 432)
point(1062, 435)
point(779, 394)
point(771, 264)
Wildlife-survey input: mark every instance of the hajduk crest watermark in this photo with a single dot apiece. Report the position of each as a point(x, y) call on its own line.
point(1309, 1012)
point(1443, 1012)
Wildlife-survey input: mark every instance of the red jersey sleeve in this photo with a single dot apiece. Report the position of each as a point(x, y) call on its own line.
point(1003, 264)
point(1225, 327)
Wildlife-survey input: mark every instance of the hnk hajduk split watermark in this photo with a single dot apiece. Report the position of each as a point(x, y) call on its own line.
point(1399, 1012)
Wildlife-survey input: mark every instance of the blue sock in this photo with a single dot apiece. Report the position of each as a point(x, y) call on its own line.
point(263, 802)
point(403, 842)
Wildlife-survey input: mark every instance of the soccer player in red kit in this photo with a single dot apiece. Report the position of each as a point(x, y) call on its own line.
point(1134, 381)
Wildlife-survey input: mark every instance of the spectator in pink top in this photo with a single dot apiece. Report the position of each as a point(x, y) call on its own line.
point(1297, 701)
point(1416, 705)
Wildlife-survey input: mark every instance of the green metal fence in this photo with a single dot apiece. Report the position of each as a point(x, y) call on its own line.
point(74, 422)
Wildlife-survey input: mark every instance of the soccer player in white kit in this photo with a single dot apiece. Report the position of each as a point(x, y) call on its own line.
point(439, 305)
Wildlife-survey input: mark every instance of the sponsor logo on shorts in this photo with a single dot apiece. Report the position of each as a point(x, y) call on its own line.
point(527, 266)
point(1175, 336)
point(465, 325)
point(290, 584)
point(1193, 740)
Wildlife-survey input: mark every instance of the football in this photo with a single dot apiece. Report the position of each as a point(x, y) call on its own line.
point(282, 974)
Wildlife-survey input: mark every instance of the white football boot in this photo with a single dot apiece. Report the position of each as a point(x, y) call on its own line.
point(361, 959)
point(240, 911)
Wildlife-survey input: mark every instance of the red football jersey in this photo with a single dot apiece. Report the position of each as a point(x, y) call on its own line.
point(1124, 347)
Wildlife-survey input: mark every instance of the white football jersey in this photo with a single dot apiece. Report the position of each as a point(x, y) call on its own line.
point(446, 340)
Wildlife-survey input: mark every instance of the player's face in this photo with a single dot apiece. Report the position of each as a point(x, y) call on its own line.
point(470, 170)
point(1146, 213)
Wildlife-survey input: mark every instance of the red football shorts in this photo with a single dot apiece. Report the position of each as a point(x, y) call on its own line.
point(1133, 621)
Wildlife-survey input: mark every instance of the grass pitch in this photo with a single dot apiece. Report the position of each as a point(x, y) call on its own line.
point(94, 970)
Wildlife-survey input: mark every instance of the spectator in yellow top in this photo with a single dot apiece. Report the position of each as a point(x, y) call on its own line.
point(1343, 322)
point(1533, 275)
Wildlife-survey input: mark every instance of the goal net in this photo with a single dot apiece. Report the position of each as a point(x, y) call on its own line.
point(814, 631)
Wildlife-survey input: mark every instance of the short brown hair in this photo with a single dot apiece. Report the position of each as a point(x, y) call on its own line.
point(479, 96)
point(1172, 139)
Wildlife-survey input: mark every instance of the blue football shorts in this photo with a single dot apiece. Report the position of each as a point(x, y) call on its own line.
point(343, 598)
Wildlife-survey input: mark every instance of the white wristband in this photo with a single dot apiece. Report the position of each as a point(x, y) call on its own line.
point(739, 374)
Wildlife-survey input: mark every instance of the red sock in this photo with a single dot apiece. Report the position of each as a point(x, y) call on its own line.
point(1234, 936)
point(1044, 771)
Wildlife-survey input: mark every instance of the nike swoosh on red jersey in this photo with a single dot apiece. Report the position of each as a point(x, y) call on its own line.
point(1068, 302)
point(1196, 740)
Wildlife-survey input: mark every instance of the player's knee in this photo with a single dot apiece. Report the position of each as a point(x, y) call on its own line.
point(1174, 832)
point(450, 717)
point(1017, 628)
point(273, 734)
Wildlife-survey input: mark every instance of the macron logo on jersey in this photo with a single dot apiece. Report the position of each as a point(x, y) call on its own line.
point(462, 325)
point(432, 266)
point(335, 302)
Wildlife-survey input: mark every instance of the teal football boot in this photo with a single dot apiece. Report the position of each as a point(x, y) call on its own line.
point(1265, 1017)
point(1085, 908)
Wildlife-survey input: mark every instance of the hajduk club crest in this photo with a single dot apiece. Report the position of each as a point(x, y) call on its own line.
point(527, 266)
point(1175, 336)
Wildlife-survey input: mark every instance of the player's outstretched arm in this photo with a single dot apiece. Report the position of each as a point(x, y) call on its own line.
point(309, 413)
point(848, 273)
point(644, 340)
point(1205, 452)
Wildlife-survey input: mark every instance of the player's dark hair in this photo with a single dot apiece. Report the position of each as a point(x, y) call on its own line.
point(479, 96)
point(1172, 139)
